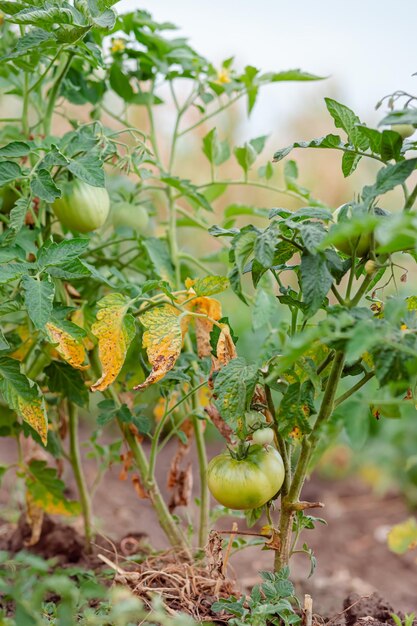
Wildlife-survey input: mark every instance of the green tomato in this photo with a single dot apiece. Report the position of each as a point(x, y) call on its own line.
point(131, 215)
point(263, 436)
point(8, 198)
point(82, 207)
point(362, 243)
point(248, 483)
point(405, 130)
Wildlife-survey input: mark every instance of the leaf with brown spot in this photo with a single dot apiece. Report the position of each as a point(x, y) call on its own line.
point(23, 396)
point(69, 345)
point(114, 329)
point(162, 340)
point(226, 350)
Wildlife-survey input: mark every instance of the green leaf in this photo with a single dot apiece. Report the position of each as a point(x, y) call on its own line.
point(350, 162)
point(389, 177)
point(4, 344)
point(18, 214)
point(88, 168)
point(391, 144)
point(312, 234)
point(57, 253)
point(119, 82)
point(43, 186)
point(243, 246)
point(347, 120)
point(265, 311)
point(405, 116)
point(355, 416)
point(73, 269)
point(160, 257)
point(9, 171)
point(215, 150)
point(68, 382)
point(265, 244)
point(15, 149)
point(316, 281)
point(291, 75)
point(258, 143)
point(233, 387)
point(266, 171)
point(245, 156)
point(33, 39)
point(188, 190)
point(210, 285)
point(39, 297)
point(329, 141)
point(23, 396)
point(215, 334)
point(12, 271)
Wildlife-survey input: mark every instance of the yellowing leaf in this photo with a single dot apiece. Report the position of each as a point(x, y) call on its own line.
point(114, 329)
point(27, 338)
point(34, 517)
point(45, 491)
point(162, 340)
point(71, 348)
point(203, 327)
point(33, 412)
point(403, 537)
point(23, 396)
point(226, 350)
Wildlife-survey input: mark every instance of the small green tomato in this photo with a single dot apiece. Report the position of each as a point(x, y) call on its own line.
point(405, 130)
point(263, 436)
point(133, 216)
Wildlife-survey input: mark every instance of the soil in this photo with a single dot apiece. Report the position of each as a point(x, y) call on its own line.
point(351, 550)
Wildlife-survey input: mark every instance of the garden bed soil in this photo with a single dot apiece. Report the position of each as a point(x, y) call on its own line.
point(351, 550)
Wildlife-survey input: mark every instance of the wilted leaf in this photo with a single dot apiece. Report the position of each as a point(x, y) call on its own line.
point(70, 347)
point(34, 517)
point(162, 340)
point(203, 327)
point(226, 350)
point(403, 537)
point(114, 329)
point(23, 396)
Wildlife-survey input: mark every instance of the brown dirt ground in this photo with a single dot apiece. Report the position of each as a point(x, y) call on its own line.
point(351, 551)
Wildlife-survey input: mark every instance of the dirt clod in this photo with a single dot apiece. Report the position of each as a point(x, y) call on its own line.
point(56, 540)
point(370, 610)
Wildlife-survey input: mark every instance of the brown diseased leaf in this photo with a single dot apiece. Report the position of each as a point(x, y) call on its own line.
point(162, 340)
point(139, 488)
point(203, 327)
point(70, 348)
point(226, 350)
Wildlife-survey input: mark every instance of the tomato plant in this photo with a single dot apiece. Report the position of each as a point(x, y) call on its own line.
point(128, 313)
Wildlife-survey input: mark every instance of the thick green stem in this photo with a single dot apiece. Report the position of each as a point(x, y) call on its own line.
point(77, 468)
point(173, 532)
point(204, 493)
point(307, 447)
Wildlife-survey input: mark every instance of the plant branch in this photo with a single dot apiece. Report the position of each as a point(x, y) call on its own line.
point(368, 376)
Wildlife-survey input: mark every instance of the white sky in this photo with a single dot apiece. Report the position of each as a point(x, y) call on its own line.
point(367, 47)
